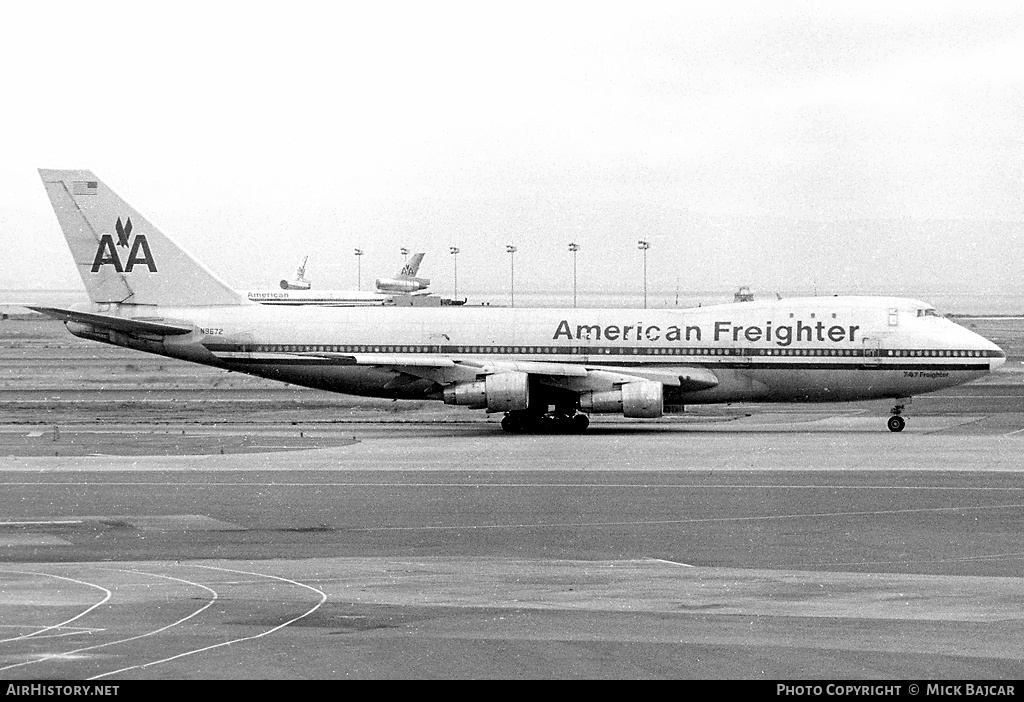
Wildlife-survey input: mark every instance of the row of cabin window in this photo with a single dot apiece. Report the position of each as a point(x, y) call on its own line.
point(295, 348)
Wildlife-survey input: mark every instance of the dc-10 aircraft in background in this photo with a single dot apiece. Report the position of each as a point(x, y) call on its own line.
point(544, 368)
point(389, 291)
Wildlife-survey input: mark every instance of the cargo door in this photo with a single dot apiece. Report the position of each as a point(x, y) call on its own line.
point(872, 351)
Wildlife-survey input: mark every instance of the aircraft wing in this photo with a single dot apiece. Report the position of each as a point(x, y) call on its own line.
point(127, 325)
point(571, 376)
point(444, 370)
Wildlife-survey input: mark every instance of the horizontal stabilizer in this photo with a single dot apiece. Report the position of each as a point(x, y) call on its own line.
point(127, 325)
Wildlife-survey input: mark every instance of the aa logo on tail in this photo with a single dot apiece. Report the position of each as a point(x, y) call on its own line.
point(106, 252)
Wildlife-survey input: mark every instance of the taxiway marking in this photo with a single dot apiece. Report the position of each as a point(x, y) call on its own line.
point(662, 560)
point(618, 486)
point(53, 656)
point(106, 597)
point(323, 598)
point(699, 520)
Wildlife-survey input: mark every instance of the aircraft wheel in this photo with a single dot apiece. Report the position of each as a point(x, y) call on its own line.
point(896, 423)
point(523, 422)
point(548, 424)
point(580, 422)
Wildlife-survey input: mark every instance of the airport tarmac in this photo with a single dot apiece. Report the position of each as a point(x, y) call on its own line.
point(150, 533)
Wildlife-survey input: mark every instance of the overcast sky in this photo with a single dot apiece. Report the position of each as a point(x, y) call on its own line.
point(862, 147)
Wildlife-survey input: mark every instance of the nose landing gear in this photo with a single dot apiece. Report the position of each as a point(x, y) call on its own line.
point(896, 421)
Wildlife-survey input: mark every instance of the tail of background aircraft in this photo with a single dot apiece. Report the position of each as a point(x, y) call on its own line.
point(300, 282)
point(410, 269)
point(406, 281)
point(121, 257)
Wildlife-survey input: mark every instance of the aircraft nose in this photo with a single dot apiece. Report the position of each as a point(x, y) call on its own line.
point(997, 359)
point(985, 348)
point(995, 355)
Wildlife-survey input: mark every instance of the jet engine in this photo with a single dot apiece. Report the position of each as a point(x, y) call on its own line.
point(499, 392)
point(642, 399)
point(402, 285)
point(300, 282)
point(295, 285)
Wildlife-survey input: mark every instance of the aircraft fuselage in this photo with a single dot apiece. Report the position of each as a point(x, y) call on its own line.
point(791, 350)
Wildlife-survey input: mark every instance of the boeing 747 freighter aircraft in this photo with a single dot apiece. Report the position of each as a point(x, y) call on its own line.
point(543, 368)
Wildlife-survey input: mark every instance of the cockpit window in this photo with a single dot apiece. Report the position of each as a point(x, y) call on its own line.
point(928, 312)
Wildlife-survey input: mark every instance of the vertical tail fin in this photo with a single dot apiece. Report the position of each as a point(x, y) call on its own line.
point(410, 269)
point(121, 257)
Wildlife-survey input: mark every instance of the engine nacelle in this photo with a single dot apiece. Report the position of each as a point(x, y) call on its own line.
point(402, 285)
point(644, 399)
point(499, 392)
point(295, 284)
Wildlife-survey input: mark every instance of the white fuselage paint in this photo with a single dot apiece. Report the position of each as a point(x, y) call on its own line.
point(801, 349)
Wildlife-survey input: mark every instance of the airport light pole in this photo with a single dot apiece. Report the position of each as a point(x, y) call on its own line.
point(574, 247)
point(359, 269)
point(643, 246)
point(512, 279)
point(455, 258)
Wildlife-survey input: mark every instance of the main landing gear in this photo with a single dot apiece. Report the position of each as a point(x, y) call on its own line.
point(896, 421)
point(525, 421)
